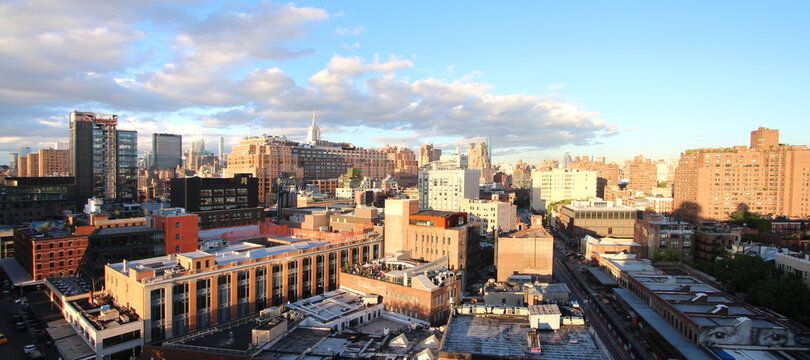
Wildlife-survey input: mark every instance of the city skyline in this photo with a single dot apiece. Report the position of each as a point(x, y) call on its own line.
point(658, 71)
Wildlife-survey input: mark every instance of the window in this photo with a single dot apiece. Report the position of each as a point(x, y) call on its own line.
point(177, 248)
point(177, 225)
point(177, 236)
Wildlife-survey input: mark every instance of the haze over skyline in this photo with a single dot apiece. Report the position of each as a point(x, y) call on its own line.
point(541, 78)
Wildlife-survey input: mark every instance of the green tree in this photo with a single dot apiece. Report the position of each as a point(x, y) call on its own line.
point(742, 271)
point(752, 220)
point(667, 255)
point(787, 296)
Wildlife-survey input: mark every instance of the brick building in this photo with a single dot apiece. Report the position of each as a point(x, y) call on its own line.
point(528, 251)
point(766, 178)
point(48, 249)
point(420, 290)
point(180, 229)
point(642, 174)
point(268, 158)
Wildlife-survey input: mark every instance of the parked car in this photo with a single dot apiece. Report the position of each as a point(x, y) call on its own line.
point(29, 348)
point(3, 339)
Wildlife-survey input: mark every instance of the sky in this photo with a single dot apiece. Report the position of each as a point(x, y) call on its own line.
point(541, 78)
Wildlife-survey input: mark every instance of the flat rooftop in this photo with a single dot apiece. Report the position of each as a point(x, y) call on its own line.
point(436, 213)
point(70, 286)
point(532, 232)
point(329, 306)
point(96, 313)
point(506, 337)
point(125, 230)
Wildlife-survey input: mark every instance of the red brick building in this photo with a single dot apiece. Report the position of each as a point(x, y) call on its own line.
point(181, 230)
point(52, 251)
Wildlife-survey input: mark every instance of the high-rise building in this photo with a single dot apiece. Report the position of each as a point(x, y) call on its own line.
point(12, 161)
point(405, 167)
point(24, 151)
point(221, 150)
point(428, 154)
point(314, 132)
point(167, 151)
point(54, 162)
point(642, 174)
point(444, 190)
point(22, 166)
point(561, 184)
point(766, 178)
point(268, 158)
point(478, 159)
point(605, 170)
point(32, 165)
point(102, 159)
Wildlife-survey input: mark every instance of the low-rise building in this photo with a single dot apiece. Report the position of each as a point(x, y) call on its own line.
point(176, 294)
point(48, 249)
point(592, 247)
point(712, 240)
point(528, 251)
point(219, 202)
point(597, 218)
point(421, 290)
point(180, 229)
point(111, 331)
point(657, 232)
point(661, 205)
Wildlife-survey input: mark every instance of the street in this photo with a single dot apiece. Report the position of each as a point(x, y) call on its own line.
point(606, 334)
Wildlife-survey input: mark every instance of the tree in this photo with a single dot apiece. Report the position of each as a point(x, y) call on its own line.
point(752, 220)
point(742, 271)
point(667, 255)
point(787, 296)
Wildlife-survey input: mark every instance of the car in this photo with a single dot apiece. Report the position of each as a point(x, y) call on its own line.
point(29, 348)
point(3, 338)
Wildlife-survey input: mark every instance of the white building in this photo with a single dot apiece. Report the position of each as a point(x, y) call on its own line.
point(444, 189)
point(553, 185)
point(492, 215)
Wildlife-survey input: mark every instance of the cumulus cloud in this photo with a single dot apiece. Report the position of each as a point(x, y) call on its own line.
point(205, 76)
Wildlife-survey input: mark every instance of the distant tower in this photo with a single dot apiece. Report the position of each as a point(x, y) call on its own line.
point(221, 149)
point(314, 133)
point(458, 148)
point(489, 147)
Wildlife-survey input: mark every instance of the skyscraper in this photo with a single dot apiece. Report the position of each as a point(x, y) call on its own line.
point(478, 158)
point(96, 148)
point(221, 151)
point(12, 161)
point(167, 151)
point(314, 132)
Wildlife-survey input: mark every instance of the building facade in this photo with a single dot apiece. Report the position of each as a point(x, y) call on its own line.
point(444, 190)
point(27, 199)
point(167, 150)
point(642, 174)
point(268, 158)
point(103, 162)
point(492, 216)
point(428, 154)
point(766, 178)
point(662, 233)
point(219, 202)
point(598, 219)
point(49, 250)
point(527, 252)
point(560, 184)
point(54, 162)
point(179, 293)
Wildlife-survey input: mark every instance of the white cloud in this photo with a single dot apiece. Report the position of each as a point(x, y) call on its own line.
point(357, 30)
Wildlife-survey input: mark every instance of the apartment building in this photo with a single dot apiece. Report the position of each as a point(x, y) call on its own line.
point(766, 178)
point(179, 293)
point(662, 233)
point(492, 216)
point(553, 185)
point(642, 174)
point(660, 205)
point(270, 157)
point(605, 170)
point(405, 165)
point(799, 266)
point(54, 162)
point(444, 189)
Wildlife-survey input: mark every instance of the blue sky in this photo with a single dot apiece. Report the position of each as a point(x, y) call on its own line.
point(542, 78)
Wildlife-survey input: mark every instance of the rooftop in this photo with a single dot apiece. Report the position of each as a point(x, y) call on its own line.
point(70, 286)
point(502, 336)
point(103, 313)
point(532, 232)
point(124, 230)
point(329, 306)
point(429, 275)
point(435, 213)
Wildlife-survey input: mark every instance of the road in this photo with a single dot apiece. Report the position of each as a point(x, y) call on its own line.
point(615, 349)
